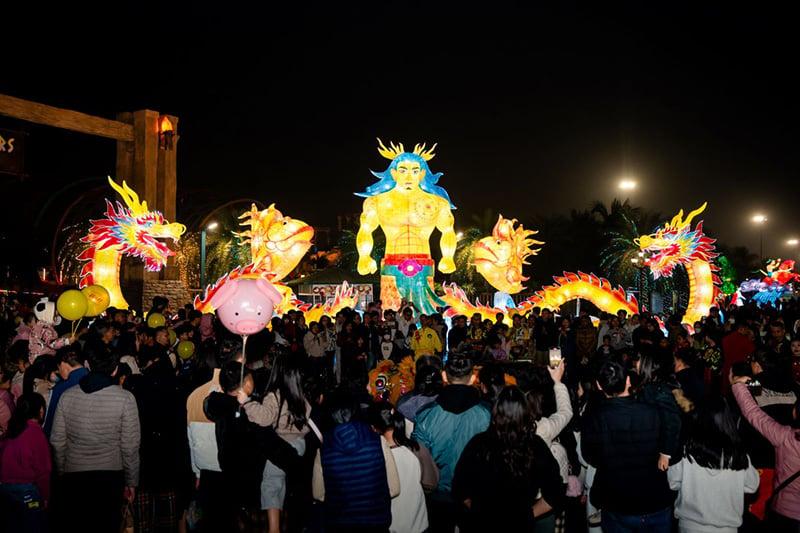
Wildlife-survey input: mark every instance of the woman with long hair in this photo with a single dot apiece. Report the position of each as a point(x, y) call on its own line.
point(25, 468)
point(502, 471)
point(286, 409)
point(715, 472)
point(655, 387)
point(415, 466)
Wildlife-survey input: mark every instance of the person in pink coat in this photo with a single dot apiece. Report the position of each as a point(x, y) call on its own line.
point(786, 440)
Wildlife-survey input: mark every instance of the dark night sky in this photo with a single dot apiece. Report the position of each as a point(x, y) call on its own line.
point(536, 111)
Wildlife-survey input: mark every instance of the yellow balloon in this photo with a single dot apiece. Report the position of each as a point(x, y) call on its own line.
point(97, 298)
point(72, 304)
point(185, 349)
point(155, 320)
point(172, 337)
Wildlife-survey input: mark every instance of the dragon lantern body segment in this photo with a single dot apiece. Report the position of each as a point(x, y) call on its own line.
point(131, 230)
point(676, 243)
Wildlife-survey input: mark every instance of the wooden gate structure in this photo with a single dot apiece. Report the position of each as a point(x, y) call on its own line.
point(146, 159)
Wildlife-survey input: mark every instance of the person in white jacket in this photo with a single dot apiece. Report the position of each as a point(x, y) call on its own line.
point(549, 427)
point(714, 474)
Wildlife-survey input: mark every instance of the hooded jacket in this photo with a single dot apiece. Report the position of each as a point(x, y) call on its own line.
point(446, 425)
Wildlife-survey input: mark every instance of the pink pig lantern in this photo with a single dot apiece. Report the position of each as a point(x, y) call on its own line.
point(245, 306)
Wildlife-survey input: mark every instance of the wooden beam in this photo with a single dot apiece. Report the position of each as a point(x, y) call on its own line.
point(64, 118)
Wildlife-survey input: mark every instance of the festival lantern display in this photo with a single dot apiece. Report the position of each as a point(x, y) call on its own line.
point(407, 205)
point(676, 243)
point(500, 257)
point(277, 244)
point(779, 278)
point(131, 230)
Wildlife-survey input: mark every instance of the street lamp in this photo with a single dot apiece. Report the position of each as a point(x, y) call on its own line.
point(792, 242)
point(211, 227)
point(760, 219)
point(639, 264)
point(627, 185)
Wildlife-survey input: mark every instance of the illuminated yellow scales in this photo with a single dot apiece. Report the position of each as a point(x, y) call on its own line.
point(407, 205)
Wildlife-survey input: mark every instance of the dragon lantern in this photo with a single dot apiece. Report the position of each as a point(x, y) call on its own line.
point(676, 243)
point(133, 231)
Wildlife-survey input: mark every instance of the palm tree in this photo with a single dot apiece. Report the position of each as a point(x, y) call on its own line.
point(622, 223)
point(68, 266)
point(465, 275)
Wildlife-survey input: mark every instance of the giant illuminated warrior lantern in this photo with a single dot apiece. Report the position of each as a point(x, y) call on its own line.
point(131, 230)
point(407, 205)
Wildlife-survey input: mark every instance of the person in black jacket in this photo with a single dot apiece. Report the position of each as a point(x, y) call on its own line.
point(506, 477)
point(621, 439)
point(242, 448)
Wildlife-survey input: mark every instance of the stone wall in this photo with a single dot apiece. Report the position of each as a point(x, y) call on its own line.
point(172, 289)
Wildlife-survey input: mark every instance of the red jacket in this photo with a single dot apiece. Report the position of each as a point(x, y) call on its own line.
point(735, 347)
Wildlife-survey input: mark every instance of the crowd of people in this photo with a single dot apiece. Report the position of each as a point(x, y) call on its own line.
point(642, 423)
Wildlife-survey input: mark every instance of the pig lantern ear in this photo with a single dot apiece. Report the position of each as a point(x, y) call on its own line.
point(269, 291)
point(224, 294)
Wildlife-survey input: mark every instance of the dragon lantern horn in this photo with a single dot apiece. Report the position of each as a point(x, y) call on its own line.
point(426, 155)
point(390, 153)
point(678, 223)
point(130, 197)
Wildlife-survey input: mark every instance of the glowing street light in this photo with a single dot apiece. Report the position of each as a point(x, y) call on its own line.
point(627, 185)
point(211, 227)
point(792, 242)
point(760, 219)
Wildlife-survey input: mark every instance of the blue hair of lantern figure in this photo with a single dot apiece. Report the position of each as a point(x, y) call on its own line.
point(387, 183)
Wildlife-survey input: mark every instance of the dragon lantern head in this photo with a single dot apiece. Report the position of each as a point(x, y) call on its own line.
point(676, 244)
point(499, 258)
point(277, 243)
point(134, 230)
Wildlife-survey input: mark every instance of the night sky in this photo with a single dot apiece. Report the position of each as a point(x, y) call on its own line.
point(535, 111)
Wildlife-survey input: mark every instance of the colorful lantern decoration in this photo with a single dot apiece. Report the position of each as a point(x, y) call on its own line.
point(678, 244)
point(133, 231)
point(777, 281)
point(499, 258)
point(277, 243)
point(407, 205)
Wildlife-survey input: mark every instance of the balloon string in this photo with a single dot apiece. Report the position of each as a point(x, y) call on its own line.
point(244, 360)
point(75, 324)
